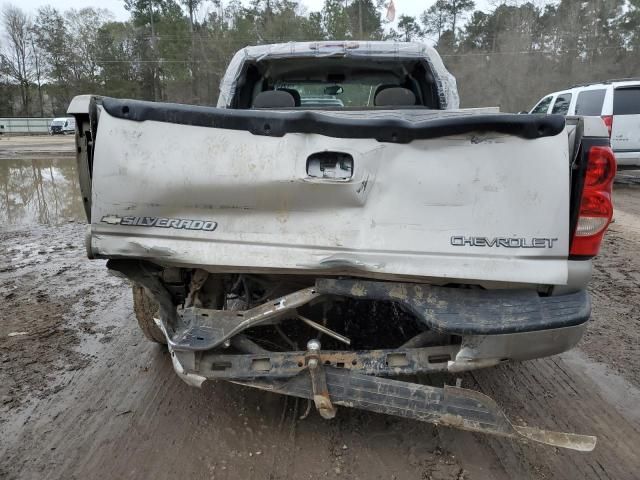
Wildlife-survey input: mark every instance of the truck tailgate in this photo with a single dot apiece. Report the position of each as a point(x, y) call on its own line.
point(473, 206)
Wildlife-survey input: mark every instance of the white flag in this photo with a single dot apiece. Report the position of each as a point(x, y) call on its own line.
point(391, 11)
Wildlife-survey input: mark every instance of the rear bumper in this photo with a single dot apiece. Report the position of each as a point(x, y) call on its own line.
point(491, 327)
point(473, 353)
point(627, 158)
point(488, 350)
point(450, 311)
point(471, 311)
point(360, 379)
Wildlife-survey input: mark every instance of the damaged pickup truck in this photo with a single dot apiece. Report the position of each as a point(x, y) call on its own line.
point(337, 223)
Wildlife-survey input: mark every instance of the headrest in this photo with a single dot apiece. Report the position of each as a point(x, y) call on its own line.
point(274, 99)
point(395, 97)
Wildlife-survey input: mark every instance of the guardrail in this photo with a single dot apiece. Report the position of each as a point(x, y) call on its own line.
point(25, 126)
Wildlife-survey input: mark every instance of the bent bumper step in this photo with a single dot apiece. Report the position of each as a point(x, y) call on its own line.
point(450, 406)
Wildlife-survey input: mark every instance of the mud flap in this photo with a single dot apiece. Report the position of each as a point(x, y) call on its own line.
point(450, 406)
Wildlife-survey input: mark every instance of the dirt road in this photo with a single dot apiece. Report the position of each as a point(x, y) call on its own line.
point(84, 395)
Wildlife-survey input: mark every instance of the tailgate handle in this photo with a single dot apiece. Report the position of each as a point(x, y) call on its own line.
point(330, 165)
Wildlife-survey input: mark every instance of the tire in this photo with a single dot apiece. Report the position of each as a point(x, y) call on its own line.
point(145, 309)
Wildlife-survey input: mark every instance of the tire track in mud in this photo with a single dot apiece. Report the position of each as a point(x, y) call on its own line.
point(613, 333)
point(549, 394)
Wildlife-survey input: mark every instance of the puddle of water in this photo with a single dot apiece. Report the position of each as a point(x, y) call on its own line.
point(43, 191)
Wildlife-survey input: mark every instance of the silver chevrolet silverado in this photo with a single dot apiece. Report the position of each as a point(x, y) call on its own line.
point(337, 223)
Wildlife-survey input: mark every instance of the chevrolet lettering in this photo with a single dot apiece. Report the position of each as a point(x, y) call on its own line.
point(503, 242)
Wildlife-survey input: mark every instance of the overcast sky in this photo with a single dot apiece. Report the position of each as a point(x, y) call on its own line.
point(408, 7)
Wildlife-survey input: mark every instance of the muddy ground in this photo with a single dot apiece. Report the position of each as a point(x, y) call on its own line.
point(84, 395)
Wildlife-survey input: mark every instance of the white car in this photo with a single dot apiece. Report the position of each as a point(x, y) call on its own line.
point(616, 101)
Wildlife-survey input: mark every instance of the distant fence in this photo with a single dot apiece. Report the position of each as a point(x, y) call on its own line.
point(25, 125)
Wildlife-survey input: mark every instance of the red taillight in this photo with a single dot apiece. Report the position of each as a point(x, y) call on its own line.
point(596, 207)
point(608, 121)
point(601, 168)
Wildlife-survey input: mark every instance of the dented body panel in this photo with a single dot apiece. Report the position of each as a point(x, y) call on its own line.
point(406, 210)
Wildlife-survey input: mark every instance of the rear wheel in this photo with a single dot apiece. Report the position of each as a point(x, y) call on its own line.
point(145, 309)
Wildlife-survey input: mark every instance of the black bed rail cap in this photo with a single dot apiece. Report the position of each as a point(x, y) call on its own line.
point(392, 129)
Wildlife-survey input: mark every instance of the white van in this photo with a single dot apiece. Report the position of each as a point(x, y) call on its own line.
point(64, 125)
point(616, 101)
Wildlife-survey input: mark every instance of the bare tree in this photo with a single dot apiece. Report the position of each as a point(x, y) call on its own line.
point(82, 26)
point(17, 58)
point(408, 27)
point(436, 18)
point(192, 6)
point(457, 9)
point(37, 56)
point(510, 54)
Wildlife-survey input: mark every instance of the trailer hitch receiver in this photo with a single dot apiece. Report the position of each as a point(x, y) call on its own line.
point(319, 388)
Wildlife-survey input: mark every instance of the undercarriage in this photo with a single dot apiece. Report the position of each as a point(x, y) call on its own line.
point(342, 340)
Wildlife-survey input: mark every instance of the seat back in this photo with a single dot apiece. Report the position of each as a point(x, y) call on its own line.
point(274, 99)
point(393, 96)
